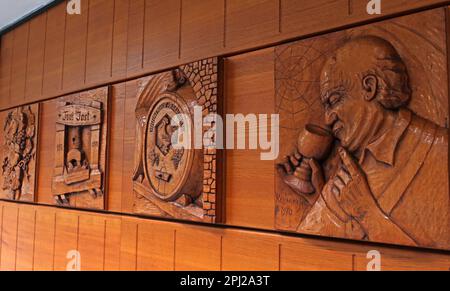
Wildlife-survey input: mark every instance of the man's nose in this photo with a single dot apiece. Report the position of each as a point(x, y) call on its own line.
point(330, 118)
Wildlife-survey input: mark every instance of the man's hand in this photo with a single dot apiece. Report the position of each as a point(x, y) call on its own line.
point(352, 190)
point(287, 172)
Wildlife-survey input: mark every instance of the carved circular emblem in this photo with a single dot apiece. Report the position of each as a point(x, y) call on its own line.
point(166, 167)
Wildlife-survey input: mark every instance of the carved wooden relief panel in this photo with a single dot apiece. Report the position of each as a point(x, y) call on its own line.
point(175, 181)
point(19, 143)
point(364, 133)
point(80, 149)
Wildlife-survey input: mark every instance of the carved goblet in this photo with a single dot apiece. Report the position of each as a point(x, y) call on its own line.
point(314, 142)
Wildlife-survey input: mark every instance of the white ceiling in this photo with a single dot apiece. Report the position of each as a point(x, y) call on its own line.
point(13, 10)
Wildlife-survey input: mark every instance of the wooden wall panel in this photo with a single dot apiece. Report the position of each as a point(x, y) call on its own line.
point(1, 229)
point(6, 50)
point(44, 242)
point(128, 140)
point(100, 41)
point(54, 50)
point(25, 238)
point(132, 243)
point(161, 47)
point(112, 244)
point(245, 251)
point(120, 39)
point(358, 8)
point(46, 152)
point(160, 255)
point(249, 88)
point(146, 37)
point(19, 64)
point(136, 20)
point(128, 244)
point(116, 152)
point(75, 46)
point(250, 21)
point(66, 238)
point(202, 28)
point(308, 255)
point(91, 242)
point(300, 17)
point(9, 238)
point(405, 260)
point(203, 255)
point(35, 61)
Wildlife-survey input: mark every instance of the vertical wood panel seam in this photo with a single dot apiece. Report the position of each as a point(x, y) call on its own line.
point(128, 39)
point(45, 50)
point(1, 235)
point(112, 39)
point(350, 7)
point(136, 248)
point(279, 257)
point(17, 238)
point(11, 64)
point(78, 233)
point(86, 40)
point(54, 241)
point(27, 62)
point(221, 253)
point(225, 10)
point(64, 51)
point(174, 249)
point(104, 243)
point(180, 29)
point(280, 16)
point(143, 35)
point(34, 239)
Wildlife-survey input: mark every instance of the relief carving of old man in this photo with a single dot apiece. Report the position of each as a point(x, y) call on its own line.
point(391, 184)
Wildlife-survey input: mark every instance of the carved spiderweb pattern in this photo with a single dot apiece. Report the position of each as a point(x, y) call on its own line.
point(297, 80)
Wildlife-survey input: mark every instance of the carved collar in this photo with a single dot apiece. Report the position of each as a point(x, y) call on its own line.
point(383, 148)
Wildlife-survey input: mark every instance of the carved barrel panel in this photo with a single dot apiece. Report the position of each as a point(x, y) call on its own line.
point(173, 177)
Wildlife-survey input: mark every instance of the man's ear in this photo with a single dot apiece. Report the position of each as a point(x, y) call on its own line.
point(370, 86)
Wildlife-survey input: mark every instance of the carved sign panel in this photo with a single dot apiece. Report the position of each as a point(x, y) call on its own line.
point(18, 152)
point(364, 138)
point(172, 180)
point(80, 153)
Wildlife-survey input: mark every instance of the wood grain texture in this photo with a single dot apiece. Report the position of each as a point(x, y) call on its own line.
point(176, 31)
point(54, 51)
point(91, 242)
point(161, 47)
point(6, 50)
point(141, 244)
point(249, 21)
point(161, 256)
point(66, 238)
point(75, 49)
point(135, 41)
point(19, 62)
point(35, 60)
point(112, 244)
point(205, 255)
point(100, 41)
point(9, 238)
point(44, 240)
point(204, 29)
point(25, 238)
point(249, 88)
